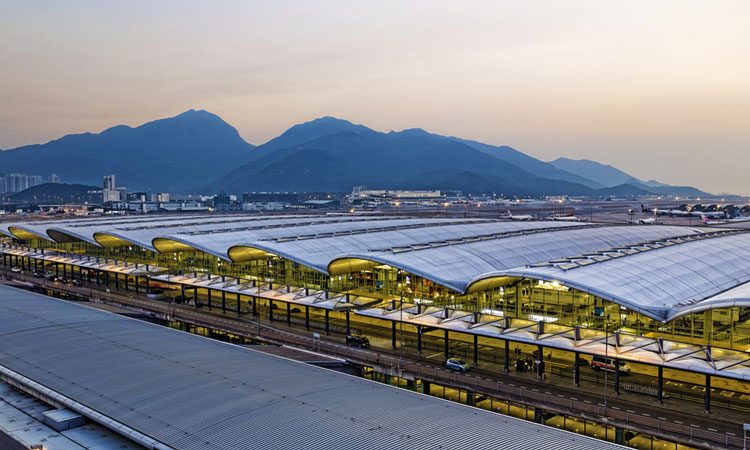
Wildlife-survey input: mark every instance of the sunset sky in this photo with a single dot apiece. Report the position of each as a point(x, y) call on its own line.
point(660, 89)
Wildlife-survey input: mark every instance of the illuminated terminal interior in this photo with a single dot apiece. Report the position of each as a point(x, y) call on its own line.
point(689, 285)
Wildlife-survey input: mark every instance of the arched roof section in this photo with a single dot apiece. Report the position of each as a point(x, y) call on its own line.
point(62, 235)
point(457, 266)
point(340, 232)
point(180, 244)
point(120, 239)
point(737, 296)
point(25, 232)
point(660, 281)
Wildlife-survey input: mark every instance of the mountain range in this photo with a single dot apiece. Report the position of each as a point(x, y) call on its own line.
point(197, 151)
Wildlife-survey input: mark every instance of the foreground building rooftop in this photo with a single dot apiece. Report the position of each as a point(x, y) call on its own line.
point(168, 389)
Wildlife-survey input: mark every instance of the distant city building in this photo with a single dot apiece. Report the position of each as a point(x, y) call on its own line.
point(268, 201)
point(361, 194)
point(110, 192)
point(55, 179)
point(109, 182)
point(35, 180)
point(17, 182)
point(267, 197)
point(161, 197)
point(222, 200)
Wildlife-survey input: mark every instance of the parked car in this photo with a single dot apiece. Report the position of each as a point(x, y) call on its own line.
point(458, 365)
point(16, 270)
point(603, 363)
point(357, 341)
point(156, 294)
point(582, 362)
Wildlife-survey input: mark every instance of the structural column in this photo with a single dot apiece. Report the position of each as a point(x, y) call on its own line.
point(506, 358)
point(419, 339)
point(270, 310)
point(393, 334)
point(348, 329)
point(540, 364)
point(238, 303)
point(307, 317)
point(617, 376)
point(223, 301)
point(660, 385)
point(577, 370)
point(210, 295)
point(288, 313)
point(476, 349)
point(707, 395)
point(446, 344)
point(327, 321)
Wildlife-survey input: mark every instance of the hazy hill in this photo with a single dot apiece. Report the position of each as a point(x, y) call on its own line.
point(58, 193)
point(610, 176)
point(603, 174)
point(531, 164)
point(343, 155)
point(198, 152)
point(170, 154)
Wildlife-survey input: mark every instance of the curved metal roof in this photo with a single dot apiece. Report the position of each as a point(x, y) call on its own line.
point(456, 266)
point(661, 271)
point(229, 245)
point(68, 227)
point(662, 282)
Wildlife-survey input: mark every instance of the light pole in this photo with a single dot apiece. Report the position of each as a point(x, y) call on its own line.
point(606, 358)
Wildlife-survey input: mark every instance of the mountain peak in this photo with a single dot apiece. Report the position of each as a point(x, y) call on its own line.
point(414, 132)
point(328, 119)
point(311, 130)
point(196, 113)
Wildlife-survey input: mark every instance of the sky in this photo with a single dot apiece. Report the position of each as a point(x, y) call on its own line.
point(658, 89)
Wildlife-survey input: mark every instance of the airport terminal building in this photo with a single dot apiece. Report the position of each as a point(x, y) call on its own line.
point(670, 297)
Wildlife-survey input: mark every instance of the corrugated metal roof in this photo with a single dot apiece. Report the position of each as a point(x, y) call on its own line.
point(456, 266)
point(190, 392)
point(659, 270)
point(662, 283)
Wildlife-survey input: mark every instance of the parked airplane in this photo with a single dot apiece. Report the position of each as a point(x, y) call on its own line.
point(683, 211)
point(520, 217)
point(706, 220)
point(643, 220)
point(564, 218)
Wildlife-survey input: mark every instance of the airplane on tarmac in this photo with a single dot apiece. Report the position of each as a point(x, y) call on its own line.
point(564, 218)
point(520, 217)
point(684, 211)
point(706, 220)
point(643, 220)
